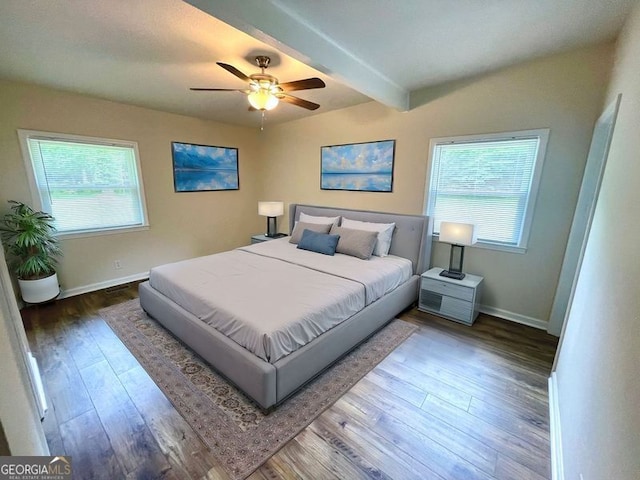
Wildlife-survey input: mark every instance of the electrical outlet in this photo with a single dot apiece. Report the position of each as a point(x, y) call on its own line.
point(117, 264)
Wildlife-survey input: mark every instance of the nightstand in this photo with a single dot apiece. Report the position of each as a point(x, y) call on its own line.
point(263, 238)
point(457, 300)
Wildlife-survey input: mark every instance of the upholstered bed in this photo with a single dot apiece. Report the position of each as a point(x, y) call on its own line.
point(271, 316)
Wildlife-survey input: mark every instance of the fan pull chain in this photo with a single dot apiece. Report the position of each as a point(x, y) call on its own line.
point(262, 122)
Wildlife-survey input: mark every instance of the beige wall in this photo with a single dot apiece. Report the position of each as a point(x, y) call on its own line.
point(182, 224)
point(563, 93)
point(598, 364)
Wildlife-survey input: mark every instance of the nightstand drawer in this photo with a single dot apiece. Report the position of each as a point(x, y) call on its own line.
point(445, 306)
point(447, 288)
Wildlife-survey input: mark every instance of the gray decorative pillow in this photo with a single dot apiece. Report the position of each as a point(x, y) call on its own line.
point(385, 233)
point(357, 243)
point(301, 227)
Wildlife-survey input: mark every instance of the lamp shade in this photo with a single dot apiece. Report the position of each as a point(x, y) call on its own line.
point(263, 99)
point(458, 233)
point(270, 209)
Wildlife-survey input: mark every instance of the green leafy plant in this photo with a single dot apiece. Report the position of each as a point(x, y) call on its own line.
point(29, 240)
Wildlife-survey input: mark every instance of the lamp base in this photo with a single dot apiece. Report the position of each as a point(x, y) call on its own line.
point(456, 257)
point(275, 235)
point(272, 227)
point(450, 274)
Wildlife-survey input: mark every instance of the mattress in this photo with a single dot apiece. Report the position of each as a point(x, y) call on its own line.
point(272, 298)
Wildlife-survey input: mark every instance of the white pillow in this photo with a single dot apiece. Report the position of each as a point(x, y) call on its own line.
point(320, 220)
point(385, 232)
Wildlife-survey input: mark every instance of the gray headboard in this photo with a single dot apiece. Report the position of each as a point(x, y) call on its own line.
point(411, 237)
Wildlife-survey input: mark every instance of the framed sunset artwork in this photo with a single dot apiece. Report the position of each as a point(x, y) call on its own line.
point(204, 168)
point(361, 167)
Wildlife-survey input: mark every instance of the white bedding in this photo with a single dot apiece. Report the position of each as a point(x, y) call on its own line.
point(273, 298)
point(378, 275)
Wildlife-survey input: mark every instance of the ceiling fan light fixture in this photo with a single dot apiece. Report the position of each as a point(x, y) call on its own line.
point(264, 91)
point(263, 99)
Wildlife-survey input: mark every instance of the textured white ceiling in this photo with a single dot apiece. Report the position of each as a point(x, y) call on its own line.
point(418, 43)
point(149, 52)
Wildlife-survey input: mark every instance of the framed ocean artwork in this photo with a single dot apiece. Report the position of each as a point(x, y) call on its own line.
point(204, 168)
point(361, 167)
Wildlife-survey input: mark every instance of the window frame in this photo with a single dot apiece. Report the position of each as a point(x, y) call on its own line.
point(25, 135)
point(542, 134)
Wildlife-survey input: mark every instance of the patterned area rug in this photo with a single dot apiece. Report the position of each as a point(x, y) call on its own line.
point(237, 431)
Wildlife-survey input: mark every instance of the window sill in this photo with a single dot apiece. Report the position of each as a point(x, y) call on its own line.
point(492, 246)
point(99, 233)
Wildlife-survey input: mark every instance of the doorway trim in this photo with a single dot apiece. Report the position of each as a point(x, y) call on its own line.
point(583, 216)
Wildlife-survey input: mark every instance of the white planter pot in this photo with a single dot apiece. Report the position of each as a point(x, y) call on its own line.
point(38, 291)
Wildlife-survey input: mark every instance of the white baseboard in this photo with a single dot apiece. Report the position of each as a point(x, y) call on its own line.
point(515, 317)
point(102, 285)
point(557, 467)
point(41, 399)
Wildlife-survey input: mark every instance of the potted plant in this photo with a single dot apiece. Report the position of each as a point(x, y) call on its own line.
point(32, 249)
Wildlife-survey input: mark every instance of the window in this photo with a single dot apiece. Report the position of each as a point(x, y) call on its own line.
point(88, 184)
point(490, 181)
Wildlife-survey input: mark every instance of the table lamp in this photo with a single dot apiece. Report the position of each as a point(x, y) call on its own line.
point(458, 235)
point(271, 210)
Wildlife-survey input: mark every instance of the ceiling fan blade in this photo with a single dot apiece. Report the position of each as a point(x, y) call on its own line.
point(217, 89)
point(234, 70)
point(299, 102)
point(306, 84)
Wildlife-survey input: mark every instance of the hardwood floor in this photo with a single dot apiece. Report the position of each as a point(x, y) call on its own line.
point(452, 402)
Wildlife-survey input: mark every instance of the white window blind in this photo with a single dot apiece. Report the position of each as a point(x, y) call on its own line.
point(489, 181)
point(88, 185)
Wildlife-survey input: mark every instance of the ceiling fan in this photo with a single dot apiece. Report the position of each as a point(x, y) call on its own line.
point(265, 91)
